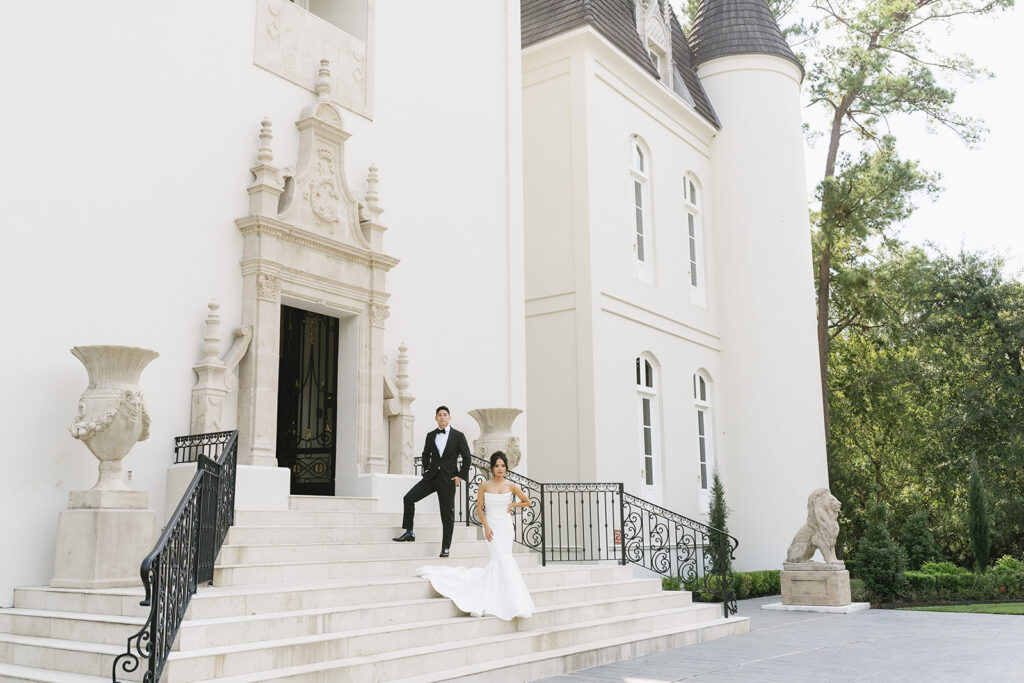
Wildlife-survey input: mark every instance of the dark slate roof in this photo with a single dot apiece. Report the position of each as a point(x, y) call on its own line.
point(616, 21)
point(736, 27)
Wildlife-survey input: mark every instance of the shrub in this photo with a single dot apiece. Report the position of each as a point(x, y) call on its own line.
point(980, 518)
point(745, 584)
point(718, 514)
point(942, 568)
point(1009, 565)
point(918, 541)
point(923, 586)
point(880, 561)
point(671, 583)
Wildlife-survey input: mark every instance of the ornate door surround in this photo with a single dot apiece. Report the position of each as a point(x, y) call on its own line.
point(310, 243)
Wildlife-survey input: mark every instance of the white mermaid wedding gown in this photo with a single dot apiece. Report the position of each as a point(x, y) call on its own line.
point(497, 589)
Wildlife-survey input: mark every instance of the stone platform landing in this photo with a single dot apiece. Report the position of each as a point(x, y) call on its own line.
point(319, 592)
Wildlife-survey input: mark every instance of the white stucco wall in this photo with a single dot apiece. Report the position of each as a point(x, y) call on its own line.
point(130, 129)
point(771, 391)
point(754, 336)
point(583, 102)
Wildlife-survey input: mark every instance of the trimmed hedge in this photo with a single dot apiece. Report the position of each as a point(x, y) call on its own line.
point(745, 584)
point(938, 587)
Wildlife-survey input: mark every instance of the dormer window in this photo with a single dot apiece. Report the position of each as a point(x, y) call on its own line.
point(658, 59)
point(654, 22)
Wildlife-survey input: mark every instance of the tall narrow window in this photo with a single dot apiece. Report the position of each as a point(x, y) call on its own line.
point(647, 397)
point(641, 219)
point(705, 450)
point(694, 241)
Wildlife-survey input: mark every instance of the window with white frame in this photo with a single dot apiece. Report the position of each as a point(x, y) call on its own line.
point(705, 445)
point(647, 398)
point(695, 239)
point(643, 243)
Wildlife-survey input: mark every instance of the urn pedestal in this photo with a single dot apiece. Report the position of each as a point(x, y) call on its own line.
point(106, 531)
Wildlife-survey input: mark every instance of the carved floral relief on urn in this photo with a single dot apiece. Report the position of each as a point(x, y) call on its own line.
point(111, 415)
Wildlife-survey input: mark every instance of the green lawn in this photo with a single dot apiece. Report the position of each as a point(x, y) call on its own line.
point(981, 608)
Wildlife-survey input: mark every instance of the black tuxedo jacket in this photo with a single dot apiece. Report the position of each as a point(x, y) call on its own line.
point(446, 463)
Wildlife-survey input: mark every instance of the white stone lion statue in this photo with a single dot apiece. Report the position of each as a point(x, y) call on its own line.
point(820, 531)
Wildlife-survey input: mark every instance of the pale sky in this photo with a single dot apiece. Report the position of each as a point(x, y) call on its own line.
point(980, 206)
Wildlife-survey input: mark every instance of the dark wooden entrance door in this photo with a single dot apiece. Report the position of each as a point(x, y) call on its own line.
point(307, 400)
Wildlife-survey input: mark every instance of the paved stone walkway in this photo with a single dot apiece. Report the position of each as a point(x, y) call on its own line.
point(875, 645)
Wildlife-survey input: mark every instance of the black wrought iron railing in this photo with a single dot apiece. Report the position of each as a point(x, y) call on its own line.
point(586, 522)
point(184, 556)
point(188, 448)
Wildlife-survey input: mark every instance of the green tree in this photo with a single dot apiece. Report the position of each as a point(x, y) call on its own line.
point(980, 519)
point(718, 513)
point(874, 60)
point(880, 561)
point(918, 541)
point(928, 370)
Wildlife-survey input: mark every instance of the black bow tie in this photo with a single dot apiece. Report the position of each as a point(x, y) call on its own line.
point(441, 431)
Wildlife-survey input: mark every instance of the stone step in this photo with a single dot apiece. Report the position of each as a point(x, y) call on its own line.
point(212, 602)
point(12, 672)
point(555, 605)
point(198, 634)
point(344, 552)
point(392, 520)
point(70, 656)
point(372, 654)
point(544, 664)
point(266, 535)
point(292, 572)
point(335, 503)
point(87, 628)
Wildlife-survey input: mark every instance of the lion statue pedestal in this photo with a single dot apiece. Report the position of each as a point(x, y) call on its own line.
point(818, 586)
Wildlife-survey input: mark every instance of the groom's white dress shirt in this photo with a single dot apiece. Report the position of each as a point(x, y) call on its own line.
point(441, 440)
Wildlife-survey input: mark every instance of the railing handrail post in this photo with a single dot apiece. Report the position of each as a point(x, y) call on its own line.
point(724, 562)
point(543, 530)
point(622, 525)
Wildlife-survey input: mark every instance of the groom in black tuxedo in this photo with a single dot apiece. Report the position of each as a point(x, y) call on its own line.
point(442, 474)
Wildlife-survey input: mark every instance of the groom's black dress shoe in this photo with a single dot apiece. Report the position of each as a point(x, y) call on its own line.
point(407, 536)
point(444, 552)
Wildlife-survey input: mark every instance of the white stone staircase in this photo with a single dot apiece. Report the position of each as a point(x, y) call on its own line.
point(320, 593)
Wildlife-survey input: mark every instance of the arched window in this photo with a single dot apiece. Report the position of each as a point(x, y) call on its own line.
point(639, 172)
point(705, 442)
point(692, 196)
point(647, 403)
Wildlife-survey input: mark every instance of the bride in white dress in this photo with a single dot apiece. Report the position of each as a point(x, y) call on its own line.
point(497, 589)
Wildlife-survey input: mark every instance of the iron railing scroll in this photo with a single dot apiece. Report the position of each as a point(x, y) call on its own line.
point(588, 522)
point(670, 544)
point(184, 556)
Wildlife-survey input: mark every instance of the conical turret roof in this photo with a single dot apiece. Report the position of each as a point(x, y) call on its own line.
point(737, 27)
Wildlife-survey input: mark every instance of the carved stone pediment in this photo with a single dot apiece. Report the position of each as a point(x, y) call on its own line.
point(317, 196)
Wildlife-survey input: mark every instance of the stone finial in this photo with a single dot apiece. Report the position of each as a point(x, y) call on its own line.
point(402, 376)
point(265, 155)
point(323, 80)
point(372, 196)
point(211, 340)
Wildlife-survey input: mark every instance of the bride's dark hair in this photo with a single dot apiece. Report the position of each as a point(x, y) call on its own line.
point(498, 455)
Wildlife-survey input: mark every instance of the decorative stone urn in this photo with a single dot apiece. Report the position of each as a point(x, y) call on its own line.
point(496, 434)
point(107, 531)
point(111, 414)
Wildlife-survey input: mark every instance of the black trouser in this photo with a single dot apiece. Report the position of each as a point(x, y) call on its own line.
point(444, 486)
